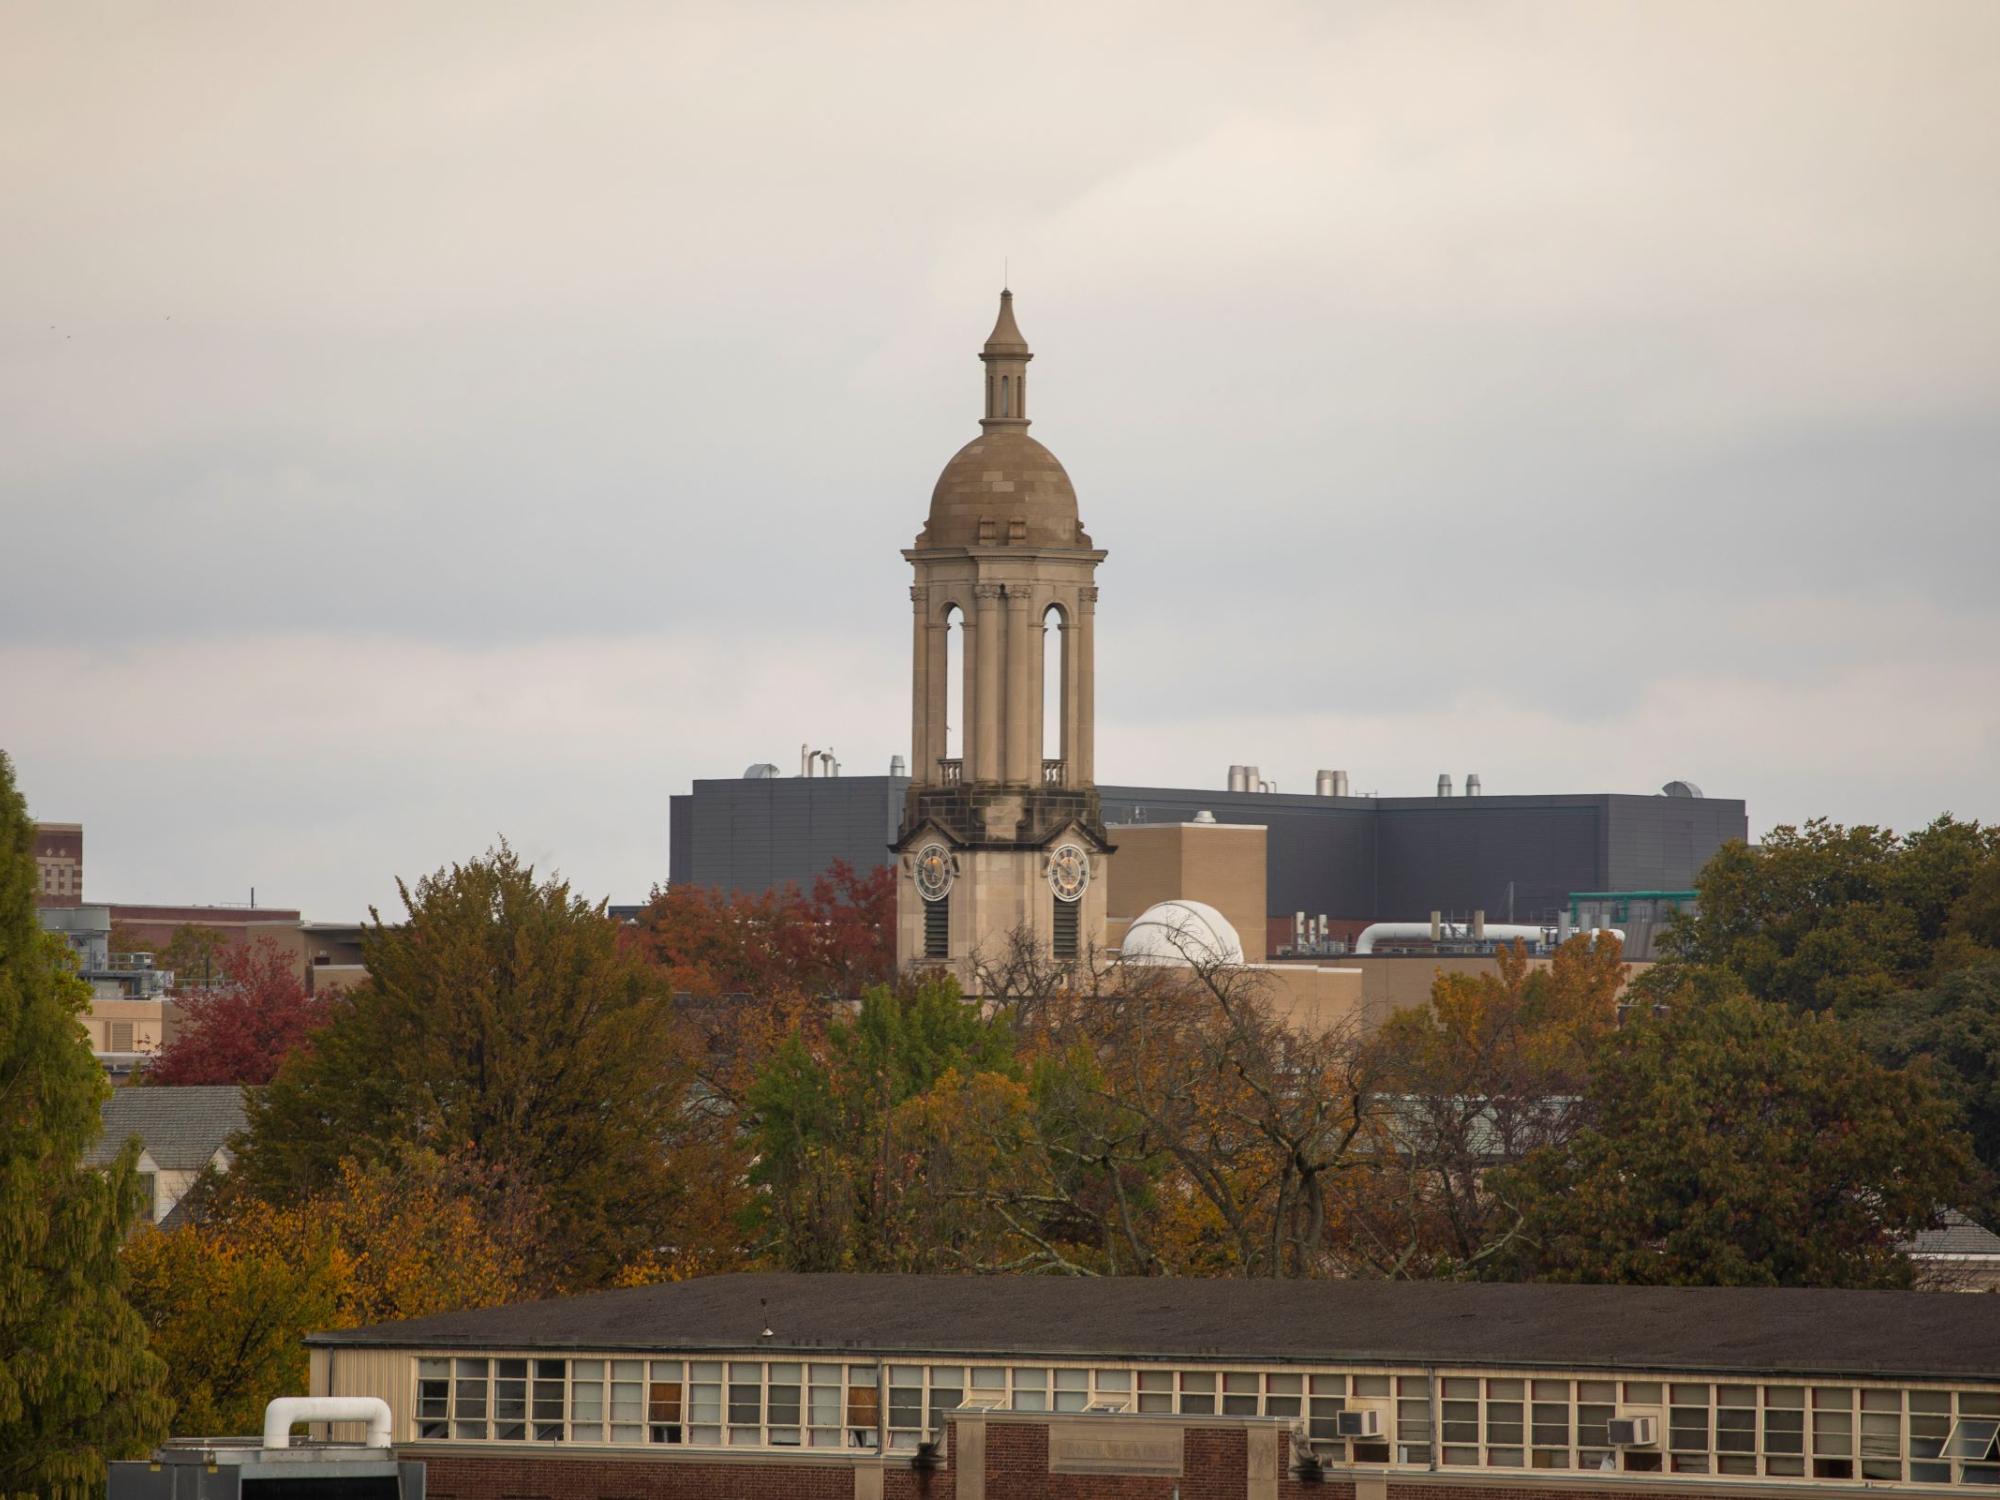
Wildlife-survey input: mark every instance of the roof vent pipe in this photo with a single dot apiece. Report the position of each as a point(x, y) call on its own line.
point(1340, 783)
point(1444, 784)
point(1323, 783)
point(1236, 779)
point(1250, 781)
point(287, 1411)
point(896, 766)
point(1472, 784)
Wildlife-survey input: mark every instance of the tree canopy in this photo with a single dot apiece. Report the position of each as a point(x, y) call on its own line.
point(504, 1021)
point(1832, 918)
point(241, 1029)
point(229, 1297)
point(1493, 1068)
point(78, 1384)
point(1732, 1142)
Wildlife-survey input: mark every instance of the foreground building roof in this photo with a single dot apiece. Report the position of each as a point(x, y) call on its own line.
point(1715, 1329)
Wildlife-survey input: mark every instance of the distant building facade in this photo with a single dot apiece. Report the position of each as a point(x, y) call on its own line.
point(1354, 860)
point(182, 1132)
point(58, 864)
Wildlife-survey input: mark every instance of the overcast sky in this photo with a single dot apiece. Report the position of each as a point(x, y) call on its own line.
point(420, 424)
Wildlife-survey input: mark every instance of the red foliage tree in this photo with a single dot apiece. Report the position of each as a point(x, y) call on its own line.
point(831, 944)
point(239, 1031)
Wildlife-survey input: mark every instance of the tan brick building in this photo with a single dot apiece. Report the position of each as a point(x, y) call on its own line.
point(1004, 1388)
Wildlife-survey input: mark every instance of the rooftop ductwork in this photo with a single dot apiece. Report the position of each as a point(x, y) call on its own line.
point(1472, 784)
point(1444, 784)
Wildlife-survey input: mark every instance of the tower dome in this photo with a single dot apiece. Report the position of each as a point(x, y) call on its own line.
point(1003, 487)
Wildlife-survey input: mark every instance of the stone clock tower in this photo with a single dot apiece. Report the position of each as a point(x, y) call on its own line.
point(1008, 837)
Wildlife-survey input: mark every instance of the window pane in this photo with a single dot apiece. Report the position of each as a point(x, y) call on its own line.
point(1784, 1431)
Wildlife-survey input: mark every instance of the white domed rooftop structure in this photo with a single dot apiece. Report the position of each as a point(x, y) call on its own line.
point(1182, 934)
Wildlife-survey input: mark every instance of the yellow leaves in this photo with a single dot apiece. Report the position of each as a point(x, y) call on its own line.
point(229, 1301)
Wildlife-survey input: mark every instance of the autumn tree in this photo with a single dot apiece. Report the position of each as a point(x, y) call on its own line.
point(1491, 1069)
point(229, 1298)
point(1732, 1142)
point(839, 1142)
point(833, 943)
point(1253, 1124)
point(240, 1030)
point(78, 1385)
point(504, 1021)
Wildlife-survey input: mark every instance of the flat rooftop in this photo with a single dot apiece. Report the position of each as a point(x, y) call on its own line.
point(1532, 1326)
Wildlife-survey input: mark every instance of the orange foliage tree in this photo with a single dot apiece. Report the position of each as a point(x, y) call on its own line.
point(1493, 1068)
point(228, 1299)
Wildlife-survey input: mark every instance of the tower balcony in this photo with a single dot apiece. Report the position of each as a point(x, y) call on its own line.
point(1054, 772)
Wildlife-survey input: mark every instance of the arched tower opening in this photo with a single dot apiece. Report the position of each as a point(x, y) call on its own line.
point(1053, 667)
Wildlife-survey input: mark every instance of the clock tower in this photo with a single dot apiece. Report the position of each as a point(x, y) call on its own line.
point(1005, 837)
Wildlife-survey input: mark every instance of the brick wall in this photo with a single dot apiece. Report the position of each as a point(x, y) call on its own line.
point(1215, 1464)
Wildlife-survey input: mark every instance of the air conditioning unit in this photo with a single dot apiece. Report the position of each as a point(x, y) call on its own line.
point(1364, 1422)
point(1634, 1432)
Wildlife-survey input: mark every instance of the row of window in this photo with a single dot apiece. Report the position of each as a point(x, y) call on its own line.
point(1923, 1435)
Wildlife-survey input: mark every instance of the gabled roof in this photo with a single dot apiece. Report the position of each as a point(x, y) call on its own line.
point(1720, 1330)
point(1958, 1235)
point(182, 1128)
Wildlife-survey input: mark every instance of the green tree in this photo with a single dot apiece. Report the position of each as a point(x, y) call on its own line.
point(197, 956)
point(78, 1383)
point(503, 1022)
point(836, 1149)
point(1954, 1028)
point(1831, 918)
point(1737, 1143)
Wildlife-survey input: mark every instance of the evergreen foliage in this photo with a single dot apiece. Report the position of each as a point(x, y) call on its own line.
point(78, 1384)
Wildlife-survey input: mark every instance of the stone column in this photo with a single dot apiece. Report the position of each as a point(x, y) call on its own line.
point(939, 708)
point(983, 763)
point(1084, 772)
point(921, 765)
point(1019, 767)
point(1072, 757)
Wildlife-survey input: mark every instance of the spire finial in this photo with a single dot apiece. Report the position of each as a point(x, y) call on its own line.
point(1006, 357)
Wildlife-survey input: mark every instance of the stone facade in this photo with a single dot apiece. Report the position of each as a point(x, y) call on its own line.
point(1003, 558)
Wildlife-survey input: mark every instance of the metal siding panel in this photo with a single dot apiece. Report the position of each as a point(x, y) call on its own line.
point(680, 839)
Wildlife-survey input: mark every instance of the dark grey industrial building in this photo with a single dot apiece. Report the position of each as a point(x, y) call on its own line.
point(1348, 858)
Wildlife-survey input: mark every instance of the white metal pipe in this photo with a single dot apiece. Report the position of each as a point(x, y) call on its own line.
point(287, 1411)
point(1506, 931)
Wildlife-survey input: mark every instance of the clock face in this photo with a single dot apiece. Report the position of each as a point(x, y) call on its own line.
point(933, 872)
point(1069, 872)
